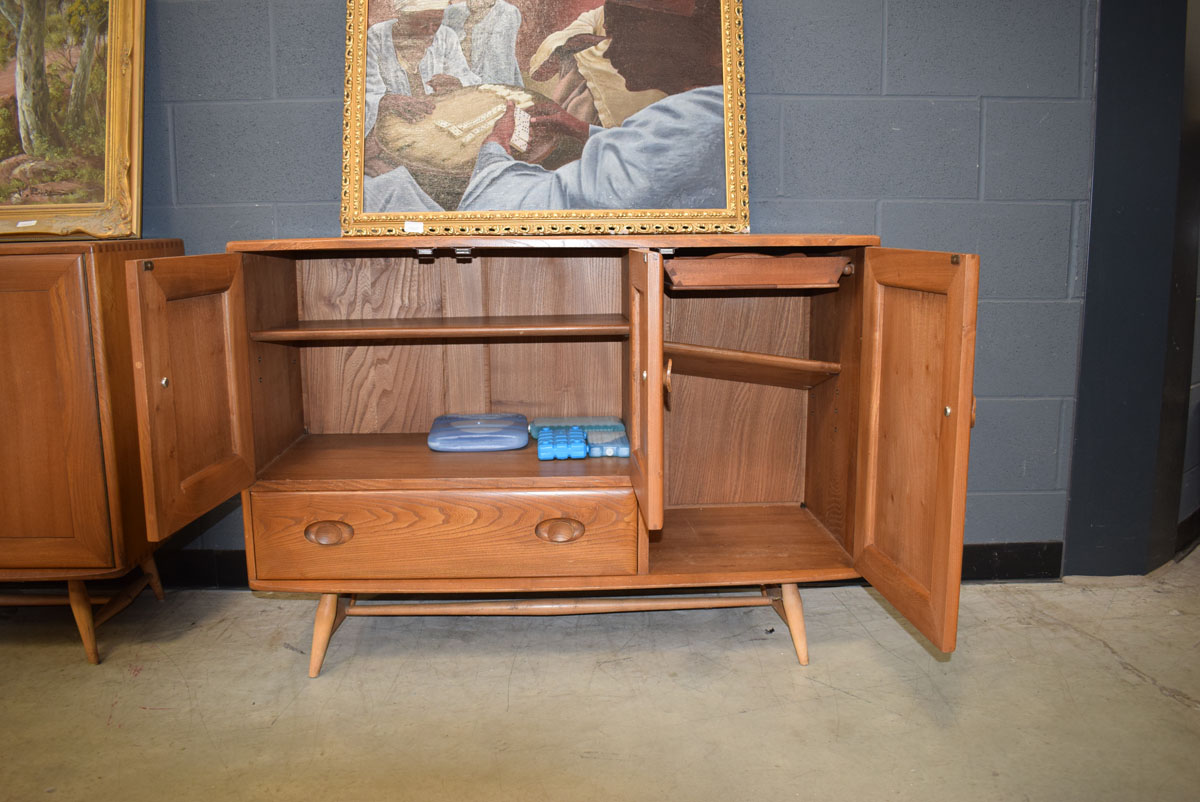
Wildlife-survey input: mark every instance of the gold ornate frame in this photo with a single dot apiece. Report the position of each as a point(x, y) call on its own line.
point(735, 217)
point(120, 213)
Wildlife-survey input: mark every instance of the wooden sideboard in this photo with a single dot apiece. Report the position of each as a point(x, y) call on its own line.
point(70, 478)
point(798, 409)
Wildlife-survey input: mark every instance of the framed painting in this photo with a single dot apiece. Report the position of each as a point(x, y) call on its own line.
point(512, 117)
point(71, 118)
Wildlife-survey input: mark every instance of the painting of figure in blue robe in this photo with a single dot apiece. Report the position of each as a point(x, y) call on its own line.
point(528, 105)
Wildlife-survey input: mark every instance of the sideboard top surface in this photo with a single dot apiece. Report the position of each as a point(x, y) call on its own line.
point(655, 241)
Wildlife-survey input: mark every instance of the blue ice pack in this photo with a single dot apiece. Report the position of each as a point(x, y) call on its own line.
point(561, 442)
point(486, 432)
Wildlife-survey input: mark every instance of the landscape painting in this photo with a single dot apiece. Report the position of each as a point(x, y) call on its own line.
point(544, 117)
point(70, 117)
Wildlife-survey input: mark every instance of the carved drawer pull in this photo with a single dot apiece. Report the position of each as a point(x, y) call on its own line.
point(667, 376)
point(328, 533)
point(559, 530)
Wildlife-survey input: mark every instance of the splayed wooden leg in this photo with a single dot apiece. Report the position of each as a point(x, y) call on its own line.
point(331, 611)
point(150, 568)
point(81, 606)
point(794, 616)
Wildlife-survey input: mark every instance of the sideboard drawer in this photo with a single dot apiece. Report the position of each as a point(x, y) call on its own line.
point(443, 534)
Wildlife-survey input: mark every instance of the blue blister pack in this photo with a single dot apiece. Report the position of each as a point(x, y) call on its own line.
point(486, 432)
point(561, 442)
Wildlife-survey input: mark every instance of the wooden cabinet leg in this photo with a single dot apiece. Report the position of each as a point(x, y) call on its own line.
point(794, 615)
point(150, 569)
point(331, 611)
point(81, 606)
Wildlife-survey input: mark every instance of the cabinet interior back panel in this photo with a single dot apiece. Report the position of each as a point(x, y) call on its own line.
point(555, 377)
point(403, 386)
point(351, 387)
point(732, 442)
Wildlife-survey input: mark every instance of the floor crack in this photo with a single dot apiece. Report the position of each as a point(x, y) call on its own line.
point(1171, 693)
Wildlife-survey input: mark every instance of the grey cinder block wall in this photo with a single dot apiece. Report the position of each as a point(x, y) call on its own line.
point(937, 124)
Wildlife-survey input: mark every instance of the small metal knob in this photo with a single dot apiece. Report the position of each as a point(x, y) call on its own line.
point(165, 382)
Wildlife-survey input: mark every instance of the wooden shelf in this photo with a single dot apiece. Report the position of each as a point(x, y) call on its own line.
point(759, 544)
point(426, 328)
point(746, 366)
point(405, 462)
point(757, 271)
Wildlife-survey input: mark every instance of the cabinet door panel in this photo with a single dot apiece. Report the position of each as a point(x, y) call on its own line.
point(191, 385)
point(644, 411)
point(51, 462)
point(917, 367)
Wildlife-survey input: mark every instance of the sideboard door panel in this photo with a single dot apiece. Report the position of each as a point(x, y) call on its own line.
point(191, 373)
point(917, 369)
point(644, 398)
point(52, 485)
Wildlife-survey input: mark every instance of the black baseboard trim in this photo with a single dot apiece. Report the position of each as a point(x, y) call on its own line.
point(992, 561)
point(203, 568)
point(1187, 534)
point(219, 568)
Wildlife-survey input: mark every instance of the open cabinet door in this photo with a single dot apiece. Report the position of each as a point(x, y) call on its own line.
point(644, 400)
point(191, 377)
point(917, 367)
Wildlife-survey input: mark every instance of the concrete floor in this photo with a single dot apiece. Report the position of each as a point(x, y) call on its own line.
point(1082, 690)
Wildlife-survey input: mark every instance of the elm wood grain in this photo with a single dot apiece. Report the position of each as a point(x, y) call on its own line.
point(743, 366)
point(187, 318)
point(697, 547)
point(405, 461)
point(446, 534)
point(918, 359)
point(756, 271)
point(354, 388)
point(51, 457)
point(443, 245)
point(561, 376)
point(276, 392)
point(114, 378)
point(467, 371)
point(331, 612)
point(831, 449)
point(731, 441)
point(644, 423)
point(738, 541)
point(449, 328)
